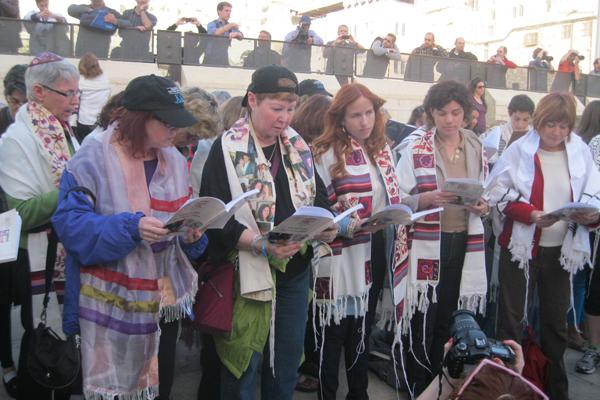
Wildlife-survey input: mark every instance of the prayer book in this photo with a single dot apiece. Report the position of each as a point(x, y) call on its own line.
point(10, 233)
point(467, 190)
point(565, 212)
point(306, 223)
point(396, 214)
point(207, 212)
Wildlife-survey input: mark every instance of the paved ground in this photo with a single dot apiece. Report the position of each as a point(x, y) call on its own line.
point(582, 387)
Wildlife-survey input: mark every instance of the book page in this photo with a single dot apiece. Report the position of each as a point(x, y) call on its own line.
point(10, 233)
point(395, 214)
point(566, 212)
point(305, 223)
point(207, 212)
point(468, 191)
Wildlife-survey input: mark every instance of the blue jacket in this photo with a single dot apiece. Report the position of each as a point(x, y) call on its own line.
point(93, 239)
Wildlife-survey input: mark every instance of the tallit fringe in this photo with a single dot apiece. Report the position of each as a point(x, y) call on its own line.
point(494, 280)
point(416, 299)
point(476, 303)
point(520, 253)
point(149, 393)
point(177, 311)
point(398, 342)
point(329, 310)
point(272, 333)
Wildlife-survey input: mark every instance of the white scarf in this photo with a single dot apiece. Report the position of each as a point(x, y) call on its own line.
point(514, 174)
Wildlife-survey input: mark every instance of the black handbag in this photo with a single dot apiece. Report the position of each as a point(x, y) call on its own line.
point(52, 362)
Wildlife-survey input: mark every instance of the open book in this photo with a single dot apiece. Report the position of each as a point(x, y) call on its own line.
point(467, 190)
point(10, 233)
point(207, 212)
point(565, 212)
point(307, 222)
point(396, 214)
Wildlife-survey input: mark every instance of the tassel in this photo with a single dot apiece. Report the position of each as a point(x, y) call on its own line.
point(272, 334)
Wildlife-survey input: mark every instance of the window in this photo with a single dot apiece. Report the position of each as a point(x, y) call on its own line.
point(548, 5)
point(586, 28)
point(567, 31)
point(520, 10)
point(530, 39)
point(473, 4)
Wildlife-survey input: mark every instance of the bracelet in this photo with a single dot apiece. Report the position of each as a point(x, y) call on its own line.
point(264, 248)
point(255, 249)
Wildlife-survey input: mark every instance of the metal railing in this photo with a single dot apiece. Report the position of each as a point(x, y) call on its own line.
point(172, 47)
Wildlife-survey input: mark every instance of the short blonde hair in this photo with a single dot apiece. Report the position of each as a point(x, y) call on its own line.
point(204, 108)
point(89, 67)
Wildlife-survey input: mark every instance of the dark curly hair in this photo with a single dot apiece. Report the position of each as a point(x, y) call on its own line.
point(15, 79)
point(440, 94)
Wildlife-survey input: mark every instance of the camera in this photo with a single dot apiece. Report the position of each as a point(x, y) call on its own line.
point(580, 57)
point(548, 58)
point(188, 19)
point(302, 36)
point(345, 37)
point(471, 345)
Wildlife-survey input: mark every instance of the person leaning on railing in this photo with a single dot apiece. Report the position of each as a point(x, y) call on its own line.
point(340, 55)
point(10, 40)
point(379, 55)
point(97, 24)
point(48, 31)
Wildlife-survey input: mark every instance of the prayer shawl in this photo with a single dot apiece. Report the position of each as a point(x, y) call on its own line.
point(121, 303)
point(34, 153)
point(417, 174)
point(497, 138)
point(514, 174)
point(343, 273)
point(247, 165)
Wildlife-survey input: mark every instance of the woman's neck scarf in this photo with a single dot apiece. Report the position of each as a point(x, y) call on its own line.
point(52, 135)
point(417, 174)
point(246, 167)
point(513, 175)
point(121, 302)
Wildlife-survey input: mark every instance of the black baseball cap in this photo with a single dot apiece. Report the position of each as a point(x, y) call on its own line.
point(312, 86)
point(272, 79)
point(160, 96)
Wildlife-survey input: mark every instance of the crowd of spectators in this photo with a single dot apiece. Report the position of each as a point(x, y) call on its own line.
point(426, 63)
point(102, 175)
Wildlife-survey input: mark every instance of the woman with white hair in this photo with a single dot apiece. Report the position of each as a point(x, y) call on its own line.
point(34, 151)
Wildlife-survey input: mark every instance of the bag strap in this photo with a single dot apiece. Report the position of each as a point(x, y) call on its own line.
point(49, 275)
point(276, 161)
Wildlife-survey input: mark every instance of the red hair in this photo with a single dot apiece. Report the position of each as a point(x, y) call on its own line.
point(334, 135)
point(131, 131)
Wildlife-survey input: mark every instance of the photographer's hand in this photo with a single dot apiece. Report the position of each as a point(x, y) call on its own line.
point(519, 363)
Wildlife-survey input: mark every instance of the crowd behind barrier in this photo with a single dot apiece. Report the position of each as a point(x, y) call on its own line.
point(189, 48)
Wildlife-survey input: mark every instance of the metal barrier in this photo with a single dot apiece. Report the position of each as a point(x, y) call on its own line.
point(171, 47)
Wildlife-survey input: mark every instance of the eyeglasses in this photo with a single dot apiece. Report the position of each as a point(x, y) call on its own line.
point(15, 101)
point(68, 94)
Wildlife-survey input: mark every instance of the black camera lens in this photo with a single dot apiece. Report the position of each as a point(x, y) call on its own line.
point(581, 57)
point(462, 322)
